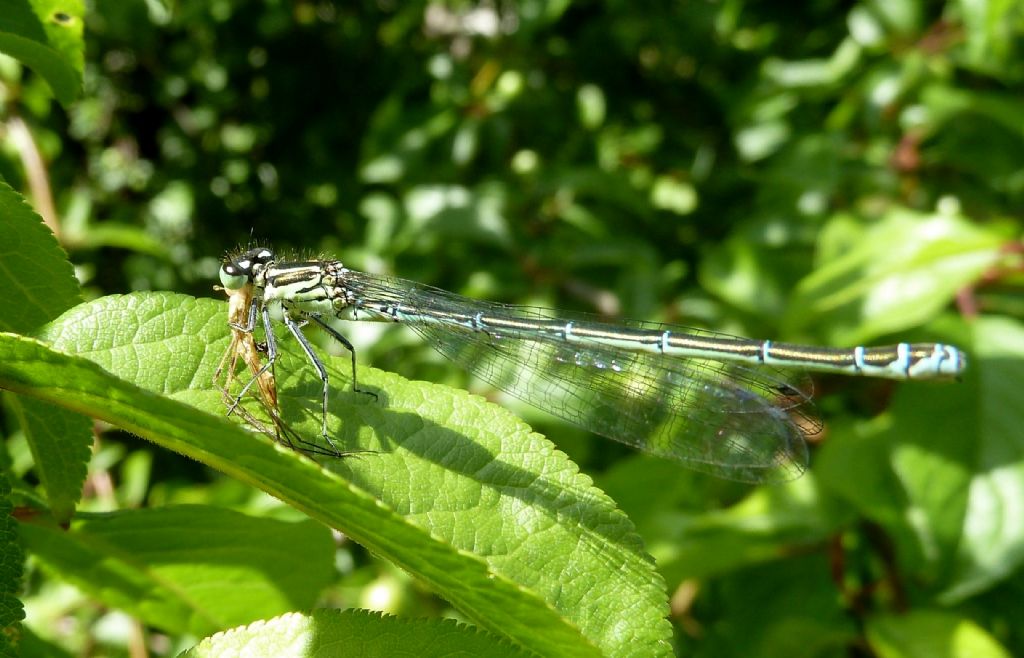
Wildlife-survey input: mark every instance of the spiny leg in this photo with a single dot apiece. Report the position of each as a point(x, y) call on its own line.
point(321, 371)
point(351, 350)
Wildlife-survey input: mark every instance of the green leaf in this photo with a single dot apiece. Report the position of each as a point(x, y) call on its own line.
point(765, 526)
point(897, 274)
point(190, 569)
point(37, 283)
point(928, 633)
point(325, 632)
point(947, 105)
point(815, 72)
point(751, 274)
point(690, 541)
point(992, 33)
point(785, 608)
point(992, 543)
point(673, 195)
point(454, 490)
point(47, 36)
point(61, 442)
point(945, 467)
point(11, 609)
point(31, 644)
point(117, 235)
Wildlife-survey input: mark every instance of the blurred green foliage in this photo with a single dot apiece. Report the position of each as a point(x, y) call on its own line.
point(841, 172)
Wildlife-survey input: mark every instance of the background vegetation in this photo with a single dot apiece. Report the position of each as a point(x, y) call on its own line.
point(838, 172)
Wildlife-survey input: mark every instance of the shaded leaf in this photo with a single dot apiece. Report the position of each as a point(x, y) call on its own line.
point(47, 36)
point(925, 633)
point(37, 284)
point(11, 560)
point(190, 569)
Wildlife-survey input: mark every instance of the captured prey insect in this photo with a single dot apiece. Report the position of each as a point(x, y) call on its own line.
point(734, 407)
point(244, 348)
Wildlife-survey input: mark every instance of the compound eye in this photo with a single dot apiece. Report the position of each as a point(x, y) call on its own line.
point(238, 270)
point(232, 278)
point(235, 274)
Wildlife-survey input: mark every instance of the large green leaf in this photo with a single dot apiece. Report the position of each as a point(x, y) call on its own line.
point(453, 489)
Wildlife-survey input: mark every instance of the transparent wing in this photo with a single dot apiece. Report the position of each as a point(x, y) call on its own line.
point(736, 421)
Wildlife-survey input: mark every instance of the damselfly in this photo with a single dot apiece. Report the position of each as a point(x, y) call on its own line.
point(734, 407)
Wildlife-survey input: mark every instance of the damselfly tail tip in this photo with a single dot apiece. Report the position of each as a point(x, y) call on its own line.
point(938, 361)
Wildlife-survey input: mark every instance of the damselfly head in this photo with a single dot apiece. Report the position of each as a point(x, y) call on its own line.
point(237, 270)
